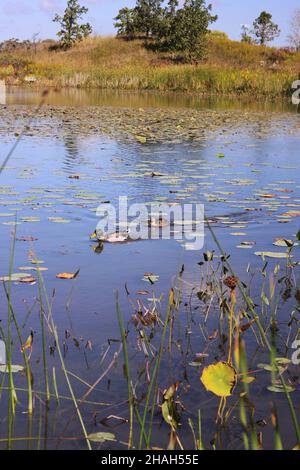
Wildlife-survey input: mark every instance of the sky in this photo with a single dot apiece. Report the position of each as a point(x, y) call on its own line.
point(24, 18)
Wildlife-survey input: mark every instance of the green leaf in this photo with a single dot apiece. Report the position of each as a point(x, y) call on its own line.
point(281, 389)
point(101, 437)
point(265, 299)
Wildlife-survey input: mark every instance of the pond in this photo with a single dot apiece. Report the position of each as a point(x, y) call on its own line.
point(84, 148)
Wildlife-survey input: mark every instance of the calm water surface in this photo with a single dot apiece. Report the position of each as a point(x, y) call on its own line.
point(37, 187)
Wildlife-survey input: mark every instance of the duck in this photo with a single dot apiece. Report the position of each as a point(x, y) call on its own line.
point(157, 222)
point(115, 237)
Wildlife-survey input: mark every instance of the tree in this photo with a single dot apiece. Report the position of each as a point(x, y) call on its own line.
point(71, 30)
point(294, 37)
point(149, 17)
point(190, 30)
point(173, 27)
point(265, 29)
point(246, 34)
point(169, 21)
point(125, 22)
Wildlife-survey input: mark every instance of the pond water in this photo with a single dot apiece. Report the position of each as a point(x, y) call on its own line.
point(245, 170)
point(97, 97)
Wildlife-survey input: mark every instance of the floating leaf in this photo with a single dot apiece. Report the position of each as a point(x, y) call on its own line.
point(141, 139)
point(14, 277)
point(101, 437)
point(67, 276)
point(59, 220)
point(27, 239)
point(219, 379)
point(14, 369)
point(291, 214)
point(149, 277)
point(270, 254)
point(284, 243)
point(28, 280)
point(30, 219)
point(281, 389)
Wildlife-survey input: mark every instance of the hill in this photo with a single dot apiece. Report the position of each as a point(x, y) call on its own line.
point(232, 67)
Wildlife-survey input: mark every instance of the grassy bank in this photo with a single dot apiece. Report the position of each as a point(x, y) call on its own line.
point(232, 68)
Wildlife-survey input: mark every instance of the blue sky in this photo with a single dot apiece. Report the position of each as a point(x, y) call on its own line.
point(23, 18)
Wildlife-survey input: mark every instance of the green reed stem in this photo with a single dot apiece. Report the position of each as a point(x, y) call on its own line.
point(55, 334)
point(260, 327)
point(127, 371)
point(46, 375)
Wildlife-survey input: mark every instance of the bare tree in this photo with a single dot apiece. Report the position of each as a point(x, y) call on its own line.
point(294, 37)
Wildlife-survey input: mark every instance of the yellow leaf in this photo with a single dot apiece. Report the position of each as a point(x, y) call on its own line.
point(248, 380)
point(141, 139)
point(28, 344)
point(219, 379)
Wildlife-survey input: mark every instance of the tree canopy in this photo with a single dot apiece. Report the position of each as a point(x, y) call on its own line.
point(265, 29)
point(182, 28)
point(71, 30)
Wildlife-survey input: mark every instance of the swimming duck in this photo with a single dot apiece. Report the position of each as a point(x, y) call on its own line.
point(157, 222)
point(116, 237)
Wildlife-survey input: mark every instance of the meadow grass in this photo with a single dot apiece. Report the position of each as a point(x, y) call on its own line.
point(232, 68)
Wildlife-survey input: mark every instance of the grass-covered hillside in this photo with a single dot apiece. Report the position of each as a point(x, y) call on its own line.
point(231, 67)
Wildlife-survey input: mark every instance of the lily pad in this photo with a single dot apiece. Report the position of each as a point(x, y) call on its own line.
point(101, 437)
point(14, 368)
point(14, 277)
point(270, 254)
point(219, 379)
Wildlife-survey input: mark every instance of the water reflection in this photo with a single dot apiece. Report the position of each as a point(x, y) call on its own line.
point(140, 99)
point(2, 92)
point(72, 151)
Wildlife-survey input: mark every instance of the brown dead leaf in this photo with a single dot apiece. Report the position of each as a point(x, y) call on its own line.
point(291, 214)
point(246, 327)
point(267, 196)
point(67, 276)
point(27, 239)
point(284, 190)
point(214, 336)
point(28, 280)
point(74, 177)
